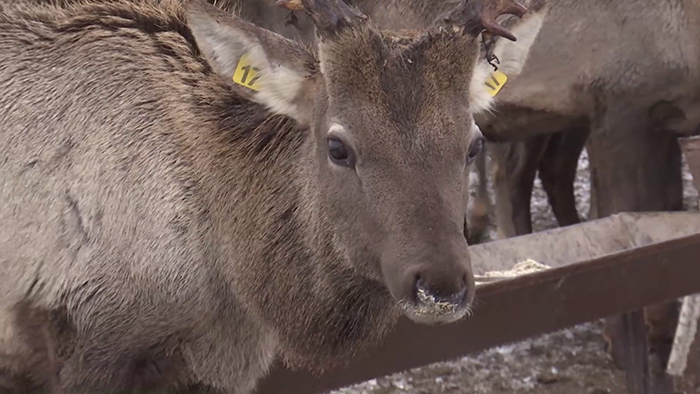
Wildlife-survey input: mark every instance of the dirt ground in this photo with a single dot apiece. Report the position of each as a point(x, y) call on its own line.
point(571, 361)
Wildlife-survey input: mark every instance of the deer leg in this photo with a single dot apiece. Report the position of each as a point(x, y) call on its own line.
point(557, 171)
point(479, 214)
point(635, 169)
point(515, 169)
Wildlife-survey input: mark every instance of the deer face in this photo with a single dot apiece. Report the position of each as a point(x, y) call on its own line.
point(392, 136)
point(395, 140)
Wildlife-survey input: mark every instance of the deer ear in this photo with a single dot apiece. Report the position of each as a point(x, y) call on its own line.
point(263, 66)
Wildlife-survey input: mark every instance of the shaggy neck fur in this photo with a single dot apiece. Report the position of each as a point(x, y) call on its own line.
point(287, 271)
point(249, 181)
point(271, 239)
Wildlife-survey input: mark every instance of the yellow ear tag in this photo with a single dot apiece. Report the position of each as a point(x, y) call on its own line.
point(247, 75)
point(495, 82)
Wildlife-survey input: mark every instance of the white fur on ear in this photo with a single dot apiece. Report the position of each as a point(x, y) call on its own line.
point(512, 55)
point(480, 99)
point(224, 41)
point(279, 85)
point(219, 43)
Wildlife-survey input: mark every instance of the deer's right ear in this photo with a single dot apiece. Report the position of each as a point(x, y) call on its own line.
point(265, 67)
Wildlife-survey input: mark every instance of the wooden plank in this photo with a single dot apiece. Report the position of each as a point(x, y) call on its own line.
point(585, 241)
point(691, 150)
point(690, 380)
point(636, 346)
point(684, 362)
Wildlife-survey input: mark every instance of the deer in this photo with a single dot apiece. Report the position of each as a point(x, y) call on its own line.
point(624, 83)
point(187, 197)
point(658, 92)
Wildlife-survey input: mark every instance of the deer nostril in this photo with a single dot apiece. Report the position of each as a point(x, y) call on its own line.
point(419, 283)
point(455, 295)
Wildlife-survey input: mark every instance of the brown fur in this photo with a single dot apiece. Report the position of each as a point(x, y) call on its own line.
point(161, 232)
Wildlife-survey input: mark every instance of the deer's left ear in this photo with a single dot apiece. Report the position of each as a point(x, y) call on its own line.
point(265, 67)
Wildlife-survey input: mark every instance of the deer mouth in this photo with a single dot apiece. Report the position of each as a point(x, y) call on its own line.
point(432, 310)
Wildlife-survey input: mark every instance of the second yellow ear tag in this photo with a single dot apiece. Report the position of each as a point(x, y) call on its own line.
point(247, 75)
point(495, 82)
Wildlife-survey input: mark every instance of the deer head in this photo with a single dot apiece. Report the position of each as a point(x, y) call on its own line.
point(391, 134)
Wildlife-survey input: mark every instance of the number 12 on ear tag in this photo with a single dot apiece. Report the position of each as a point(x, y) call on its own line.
point(247, 75)
point(495, 82)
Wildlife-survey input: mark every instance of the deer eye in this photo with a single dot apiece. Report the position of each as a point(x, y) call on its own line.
point(475, 149)
point(339, 153)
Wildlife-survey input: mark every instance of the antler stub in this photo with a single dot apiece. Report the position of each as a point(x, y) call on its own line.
point(329, 16)
point(492, 9)
point(478, 15)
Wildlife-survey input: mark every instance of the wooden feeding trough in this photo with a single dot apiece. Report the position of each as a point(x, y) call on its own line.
point(601, 268)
